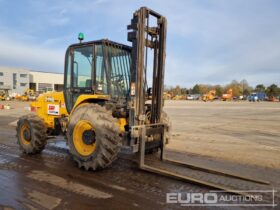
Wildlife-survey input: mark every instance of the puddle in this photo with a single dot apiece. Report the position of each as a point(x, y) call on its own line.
point(59, 144)
point(4, 160)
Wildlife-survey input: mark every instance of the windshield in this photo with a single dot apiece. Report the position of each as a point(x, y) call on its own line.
point(112, 70)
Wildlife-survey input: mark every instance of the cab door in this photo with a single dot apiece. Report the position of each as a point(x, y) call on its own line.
point(78, 73)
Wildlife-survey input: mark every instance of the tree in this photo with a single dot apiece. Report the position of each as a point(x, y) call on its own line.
point(196, 89)
point(236, 88)
point(203, 89)
point(273, 91)
point(219, 90)
point(246, 92)
point(184, 91)
point(260, 88)
point(177, 90)
point(245, 88)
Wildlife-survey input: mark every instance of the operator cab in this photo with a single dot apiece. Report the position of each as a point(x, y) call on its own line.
point(98, 67)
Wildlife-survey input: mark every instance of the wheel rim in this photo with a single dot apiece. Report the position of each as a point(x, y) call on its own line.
point(84, 138)
point(148, 117)
point(25, 134)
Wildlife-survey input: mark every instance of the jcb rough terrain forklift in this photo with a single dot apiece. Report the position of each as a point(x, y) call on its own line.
point(106, 105)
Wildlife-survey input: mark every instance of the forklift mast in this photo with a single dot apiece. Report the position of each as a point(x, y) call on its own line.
point(144, 36)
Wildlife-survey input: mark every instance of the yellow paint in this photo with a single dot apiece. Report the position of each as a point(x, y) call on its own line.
point(57, 98)
point(28, 93)
point(82, 148)
point(210, 96)
point(24, 98)
point(25, 128)
point(228, 95)
point(122, 123)
point(41, 106)
point(84, 98)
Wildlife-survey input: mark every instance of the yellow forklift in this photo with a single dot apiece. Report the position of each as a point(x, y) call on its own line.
point(107, 105)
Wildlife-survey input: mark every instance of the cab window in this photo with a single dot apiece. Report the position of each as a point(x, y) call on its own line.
point(82, 67)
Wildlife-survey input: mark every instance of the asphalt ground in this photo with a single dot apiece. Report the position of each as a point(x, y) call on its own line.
point(203, 134)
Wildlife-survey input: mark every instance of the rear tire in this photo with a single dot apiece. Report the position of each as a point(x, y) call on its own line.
point(31, 134)
point(106, 140)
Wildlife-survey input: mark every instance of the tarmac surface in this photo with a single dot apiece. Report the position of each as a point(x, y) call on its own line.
point(51, 180)
point(241, 131)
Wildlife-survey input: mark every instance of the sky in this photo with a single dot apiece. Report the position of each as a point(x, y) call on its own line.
point(208, 41)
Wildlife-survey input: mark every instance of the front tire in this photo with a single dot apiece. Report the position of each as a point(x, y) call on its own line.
point(31, 134)
point(93, 136)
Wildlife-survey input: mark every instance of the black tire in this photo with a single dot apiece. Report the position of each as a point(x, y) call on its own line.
point(107, 136)
point(37, 134)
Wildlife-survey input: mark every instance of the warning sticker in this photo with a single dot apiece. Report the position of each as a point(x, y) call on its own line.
point(53, 109)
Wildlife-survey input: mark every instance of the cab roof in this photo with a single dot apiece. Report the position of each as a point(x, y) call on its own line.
point(102, 41)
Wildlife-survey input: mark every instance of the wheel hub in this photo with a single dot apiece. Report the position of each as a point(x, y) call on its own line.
point(84, 138)
point(89, 137)
point(26, 134)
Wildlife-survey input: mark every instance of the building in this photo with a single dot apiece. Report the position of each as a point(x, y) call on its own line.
point(17, 80)
point(14, 79)
point(41, 81)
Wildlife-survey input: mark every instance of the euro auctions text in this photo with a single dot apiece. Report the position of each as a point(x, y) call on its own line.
point(221, 198)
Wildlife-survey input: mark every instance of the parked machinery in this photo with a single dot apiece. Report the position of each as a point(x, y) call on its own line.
point(274, 99)
point(28, 95)
point(166, 96)
point(4, 95)
point(179, 97)
point(210, 96)
point(227, 96)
